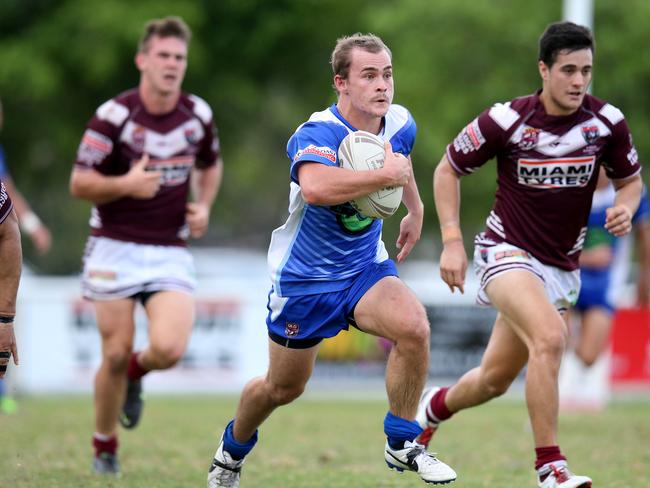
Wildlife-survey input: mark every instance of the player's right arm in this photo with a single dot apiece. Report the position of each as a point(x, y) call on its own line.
point(446, 194)
point(89, 184)
point(330, 185)
point(10, 267)
point(476, 144)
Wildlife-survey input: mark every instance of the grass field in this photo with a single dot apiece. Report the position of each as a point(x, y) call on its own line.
point(314, 443)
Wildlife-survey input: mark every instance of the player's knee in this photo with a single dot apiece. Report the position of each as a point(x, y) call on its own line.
point(495, 384)
point(551, 345)
point(117, 359)
point(414, 328)
point(167, 355)
point(284, 394)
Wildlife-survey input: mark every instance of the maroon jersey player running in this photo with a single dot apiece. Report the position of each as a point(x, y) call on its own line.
point(135, 163)
point(548, 147)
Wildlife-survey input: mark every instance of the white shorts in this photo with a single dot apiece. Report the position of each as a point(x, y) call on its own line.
point(492, 260)
point(115, 269)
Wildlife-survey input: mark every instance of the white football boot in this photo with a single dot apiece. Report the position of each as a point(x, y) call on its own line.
point(428, 427)
point(413, 457)
point(225, 471)
point(561, 477)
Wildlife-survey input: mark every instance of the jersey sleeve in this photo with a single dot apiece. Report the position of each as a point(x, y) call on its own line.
point(481, 139)
point(312, 143)
point(99, 140)
point(210, 150)
point(620, 158)
point(404, 140)
point(5, 203)
point(210, 147)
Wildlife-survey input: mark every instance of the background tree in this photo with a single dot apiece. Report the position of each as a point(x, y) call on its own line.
point(263, 66)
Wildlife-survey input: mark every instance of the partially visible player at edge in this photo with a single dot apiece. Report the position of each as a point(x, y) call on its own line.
point(603, 272)
point(548, 147)
point(329, 266)
point(10, 266)
point(141, 152)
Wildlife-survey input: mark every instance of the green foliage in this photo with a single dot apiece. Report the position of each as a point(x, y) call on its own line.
point(263, 66)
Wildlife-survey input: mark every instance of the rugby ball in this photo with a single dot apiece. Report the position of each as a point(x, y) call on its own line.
point(363, 151)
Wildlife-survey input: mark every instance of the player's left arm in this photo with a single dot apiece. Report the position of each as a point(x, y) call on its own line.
point(205, 183)
point(410, 227)
point(10, 267)
point(628, 194)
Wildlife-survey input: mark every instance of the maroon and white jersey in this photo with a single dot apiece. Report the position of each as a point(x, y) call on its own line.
point(547, 169)
point(118, 135)
point(5, 203)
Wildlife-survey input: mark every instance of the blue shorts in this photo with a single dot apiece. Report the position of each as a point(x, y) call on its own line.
point(594, 290)
point(303, 321)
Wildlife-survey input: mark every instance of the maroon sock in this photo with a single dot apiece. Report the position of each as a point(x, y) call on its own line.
point(109, 445)
point(135, 371)
point(438, 407)
point(547, 455)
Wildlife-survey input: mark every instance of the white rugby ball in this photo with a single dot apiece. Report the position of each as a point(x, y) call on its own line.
point(364, 151)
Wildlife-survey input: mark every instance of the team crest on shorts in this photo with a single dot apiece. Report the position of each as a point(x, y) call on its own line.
point(529, 138)
point(590, 133)
point(291, 329)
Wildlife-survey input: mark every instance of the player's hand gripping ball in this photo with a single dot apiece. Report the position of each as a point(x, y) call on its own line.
point(363, 151)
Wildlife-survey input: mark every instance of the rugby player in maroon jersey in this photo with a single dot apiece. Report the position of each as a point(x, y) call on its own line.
point(134, 164)
point(10, 266)
point(548, 148)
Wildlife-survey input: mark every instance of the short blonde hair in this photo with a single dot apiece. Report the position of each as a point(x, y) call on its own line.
point(341, 58)
point(168, 27)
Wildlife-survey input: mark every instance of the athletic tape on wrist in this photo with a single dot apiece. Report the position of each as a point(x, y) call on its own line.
point(30, 222)
point(451, 234)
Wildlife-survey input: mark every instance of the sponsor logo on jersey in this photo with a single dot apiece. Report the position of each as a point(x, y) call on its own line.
point(175, 171)
point(512, 253)
point(470, 138)
point(590, 133)
point(529, 138)
point(350, 219)
point(94, 148)
point(191, 136)
point(632, 156)
point(322, 151)
point(291, 329)
point(138, 138)
point(4, 196)
point(556, 172)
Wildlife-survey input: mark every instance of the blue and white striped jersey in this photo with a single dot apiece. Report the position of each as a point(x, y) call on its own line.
point(323, 248)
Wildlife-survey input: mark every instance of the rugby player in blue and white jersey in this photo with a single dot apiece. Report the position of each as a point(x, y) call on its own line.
point(548, 147)
point(330, 269)
point(604, 266)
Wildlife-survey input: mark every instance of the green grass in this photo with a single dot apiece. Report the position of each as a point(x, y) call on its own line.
point(314, 443)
